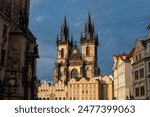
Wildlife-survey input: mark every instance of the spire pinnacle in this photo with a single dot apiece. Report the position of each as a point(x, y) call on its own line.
point(89, 20)
point(72, 39)
point(65, 31)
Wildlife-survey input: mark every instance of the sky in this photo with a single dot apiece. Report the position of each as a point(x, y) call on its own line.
point(118, 24)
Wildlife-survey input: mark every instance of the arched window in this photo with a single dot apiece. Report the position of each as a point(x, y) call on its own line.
point(87, 51)
point(74, 73)
point(62, 53)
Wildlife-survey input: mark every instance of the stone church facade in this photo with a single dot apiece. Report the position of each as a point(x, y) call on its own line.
point(77, 69)
point(73, 63)
point(18, 51)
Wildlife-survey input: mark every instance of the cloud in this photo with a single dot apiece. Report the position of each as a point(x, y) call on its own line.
point(78, 23)
point(38, 19)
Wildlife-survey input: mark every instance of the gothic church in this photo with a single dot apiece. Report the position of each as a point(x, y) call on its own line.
point(73, 63)
point(76, 73)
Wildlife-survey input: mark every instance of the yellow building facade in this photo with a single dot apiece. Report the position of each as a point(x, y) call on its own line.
point(84, 89)
point(57, 91)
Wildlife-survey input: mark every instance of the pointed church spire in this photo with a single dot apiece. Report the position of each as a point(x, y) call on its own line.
point(65, 31)
point(89, 28)
point(93, 28)
point(72, 39)
point(57, 41)
point(89, 20)
point(85, 29)
point(65, 21)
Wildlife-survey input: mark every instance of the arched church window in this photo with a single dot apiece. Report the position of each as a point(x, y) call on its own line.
point(74, 73)
point(62, 53)
point(87, 51)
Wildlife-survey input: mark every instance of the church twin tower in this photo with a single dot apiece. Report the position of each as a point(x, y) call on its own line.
point(73, 63)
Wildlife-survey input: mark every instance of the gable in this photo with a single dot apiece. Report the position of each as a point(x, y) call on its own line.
point(140, 45)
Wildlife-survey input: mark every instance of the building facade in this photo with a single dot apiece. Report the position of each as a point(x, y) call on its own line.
point(18, 51)
point(122, 71)
point(57, 91)
point(78, 68)
point(73, 63)
point(84, 89)
point(141, 68)
point(107, 87)
point(77, 72)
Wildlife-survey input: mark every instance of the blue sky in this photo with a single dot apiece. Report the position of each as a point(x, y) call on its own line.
point(118, 23)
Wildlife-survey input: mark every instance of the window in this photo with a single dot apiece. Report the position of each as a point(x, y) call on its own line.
point(142, 91)
point(140, 56)
point(59, 98)
point(82, 91)
point(141, 73)
point(4, 30)
point(149, 66)
point(74, 73)
point(62, 53)
point(70, 98)
point(63, 98)
point(74, 98)
point(77, 85)
point(2, 62)
point(136, 75)
point(86, 91)
point(137, 92)
point(87, 51)
point(136, 57)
